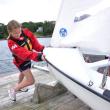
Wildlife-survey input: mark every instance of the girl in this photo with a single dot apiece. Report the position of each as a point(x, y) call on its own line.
point(21, 43)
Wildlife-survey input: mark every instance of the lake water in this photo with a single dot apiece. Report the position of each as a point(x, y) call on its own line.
point(6, 65)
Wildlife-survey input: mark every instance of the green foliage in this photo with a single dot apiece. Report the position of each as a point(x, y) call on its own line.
point(30, 26)
point(48, 27)
point(39, 24)
point(3, 31)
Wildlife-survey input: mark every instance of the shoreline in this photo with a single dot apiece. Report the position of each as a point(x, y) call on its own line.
point(2, 39)
point(47, 36)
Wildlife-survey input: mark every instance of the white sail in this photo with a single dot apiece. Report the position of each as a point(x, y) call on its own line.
point(87, 33)
point(92, 34)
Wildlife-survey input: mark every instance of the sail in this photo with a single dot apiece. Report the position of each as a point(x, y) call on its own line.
point(91, 35)
point(84, 24)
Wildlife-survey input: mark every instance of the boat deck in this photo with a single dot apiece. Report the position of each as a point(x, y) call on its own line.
point(65, 101)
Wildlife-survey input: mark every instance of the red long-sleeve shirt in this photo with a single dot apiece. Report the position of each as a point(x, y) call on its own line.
point(22, 54)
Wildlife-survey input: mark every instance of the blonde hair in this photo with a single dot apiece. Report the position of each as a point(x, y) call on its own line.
point(13, 24)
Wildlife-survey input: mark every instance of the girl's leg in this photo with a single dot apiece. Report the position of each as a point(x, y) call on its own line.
point(27, 80)
point(21, 77)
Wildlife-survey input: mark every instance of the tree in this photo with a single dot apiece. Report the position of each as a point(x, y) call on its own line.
point(3, 31)
point(30, 25)
point(38, 24)
point(48, 27)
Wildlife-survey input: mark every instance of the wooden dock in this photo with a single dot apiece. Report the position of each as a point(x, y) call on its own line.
point(65, 101)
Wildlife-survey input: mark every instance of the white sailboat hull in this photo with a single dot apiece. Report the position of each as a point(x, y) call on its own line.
point(85, 95)
point(77, 81)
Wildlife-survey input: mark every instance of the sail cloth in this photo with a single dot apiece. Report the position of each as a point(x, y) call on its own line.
point(78, 26)
point(92, 34)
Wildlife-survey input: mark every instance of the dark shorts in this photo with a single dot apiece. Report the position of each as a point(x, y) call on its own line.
point(24, 66)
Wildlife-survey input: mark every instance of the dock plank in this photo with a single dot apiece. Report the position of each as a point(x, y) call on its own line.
point(66, 101)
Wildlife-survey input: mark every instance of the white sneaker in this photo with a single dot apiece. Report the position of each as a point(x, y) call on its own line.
point(12, 94)
point(23, 90)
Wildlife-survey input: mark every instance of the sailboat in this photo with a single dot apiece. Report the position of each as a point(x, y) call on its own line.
point(82, 28)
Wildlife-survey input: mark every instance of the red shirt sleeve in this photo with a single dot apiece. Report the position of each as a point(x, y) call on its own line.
point(21, 52)
point(35, 43)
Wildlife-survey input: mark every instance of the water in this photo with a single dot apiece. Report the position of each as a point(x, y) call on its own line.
point(6, 65)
